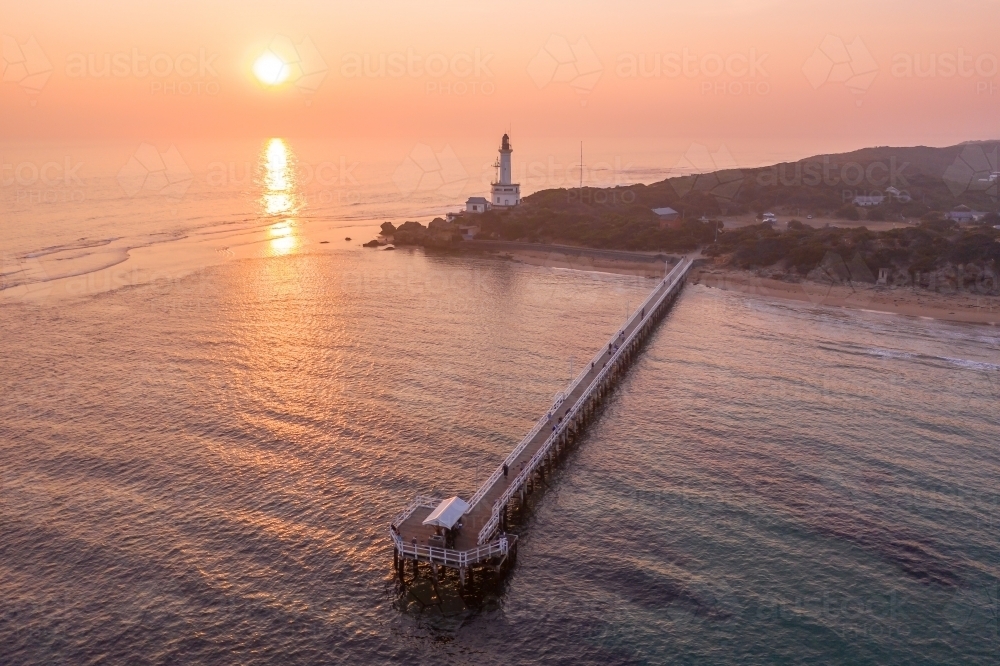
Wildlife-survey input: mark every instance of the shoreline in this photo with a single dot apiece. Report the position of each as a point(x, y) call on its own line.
point(621, 262)
point(959, 307)
point(584, 263)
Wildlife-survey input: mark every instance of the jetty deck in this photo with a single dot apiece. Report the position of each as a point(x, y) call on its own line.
point(481, 538)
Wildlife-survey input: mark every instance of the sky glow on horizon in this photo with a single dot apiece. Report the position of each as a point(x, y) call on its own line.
point(799, 77)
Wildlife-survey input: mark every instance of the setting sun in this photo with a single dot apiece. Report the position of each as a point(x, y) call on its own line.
point(270, 69)
point(546, 332)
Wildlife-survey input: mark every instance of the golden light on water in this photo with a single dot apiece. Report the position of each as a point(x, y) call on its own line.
point(279, 178)
point(283, 239)
point(279, 196)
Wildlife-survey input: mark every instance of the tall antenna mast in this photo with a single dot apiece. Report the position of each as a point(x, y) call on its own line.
point(581, 165)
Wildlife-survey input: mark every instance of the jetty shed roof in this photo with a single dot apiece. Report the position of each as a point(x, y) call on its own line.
point(447, 513)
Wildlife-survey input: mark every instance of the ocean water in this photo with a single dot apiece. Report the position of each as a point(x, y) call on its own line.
point(199, 466)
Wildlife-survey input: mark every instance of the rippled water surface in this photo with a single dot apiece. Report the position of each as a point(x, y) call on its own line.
point(203, 470)
point(211, 406)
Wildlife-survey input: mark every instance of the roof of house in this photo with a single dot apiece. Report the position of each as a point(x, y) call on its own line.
point(665, 211)
point(477, 200)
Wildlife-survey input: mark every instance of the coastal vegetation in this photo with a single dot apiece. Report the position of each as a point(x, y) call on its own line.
point(933, 253)
point(912, 186)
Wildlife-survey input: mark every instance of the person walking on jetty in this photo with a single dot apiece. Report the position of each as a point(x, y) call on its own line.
point(505, 470)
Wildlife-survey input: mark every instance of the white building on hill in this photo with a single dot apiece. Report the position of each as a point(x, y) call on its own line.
point(476, 205)
point(505, 193)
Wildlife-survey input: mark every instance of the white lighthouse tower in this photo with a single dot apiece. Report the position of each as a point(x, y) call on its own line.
point(505, 193)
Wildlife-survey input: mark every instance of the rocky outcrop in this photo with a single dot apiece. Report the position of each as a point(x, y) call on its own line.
point(948, 279)
point(439, 233)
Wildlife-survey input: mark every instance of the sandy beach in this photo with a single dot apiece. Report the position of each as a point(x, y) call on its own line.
point(644, 264)
point(586, 263)
point(959, 306)
point(967, 307)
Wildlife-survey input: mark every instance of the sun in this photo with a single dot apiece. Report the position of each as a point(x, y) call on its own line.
point(270, 69)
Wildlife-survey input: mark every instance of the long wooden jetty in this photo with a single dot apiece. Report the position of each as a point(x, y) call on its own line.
point(461, 534)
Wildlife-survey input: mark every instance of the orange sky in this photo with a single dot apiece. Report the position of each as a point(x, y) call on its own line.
point(828, 75)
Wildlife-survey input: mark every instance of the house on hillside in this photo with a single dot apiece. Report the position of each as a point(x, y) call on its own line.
point(667, 216)
point(868, 201)
point(666, 213)
point(965, 214)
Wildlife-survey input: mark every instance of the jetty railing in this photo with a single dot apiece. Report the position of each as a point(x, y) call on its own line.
point(509, 460)
point(656, 296)
point(498, 472)
point(419, 501)
point(455, 558)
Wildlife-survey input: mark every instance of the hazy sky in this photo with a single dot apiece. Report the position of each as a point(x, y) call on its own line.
point(796, 77)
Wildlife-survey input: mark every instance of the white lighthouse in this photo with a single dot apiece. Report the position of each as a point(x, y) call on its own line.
point(505, 193)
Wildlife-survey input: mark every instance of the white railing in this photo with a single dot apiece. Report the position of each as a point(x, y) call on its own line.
point(498, 472)
point(637, 313)
point(600, 352)
point(452, 557)
point(418, 502)
point(509, 460)
point(671, 280)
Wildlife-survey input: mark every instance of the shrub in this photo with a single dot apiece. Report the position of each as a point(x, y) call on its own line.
point(848, 212)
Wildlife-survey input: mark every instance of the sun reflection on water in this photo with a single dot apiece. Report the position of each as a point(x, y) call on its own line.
point(279, 179)
point(279, 195)
point(283, 239)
